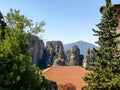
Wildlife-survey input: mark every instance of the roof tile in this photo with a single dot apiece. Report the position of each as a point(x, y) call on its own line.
point(65, 76)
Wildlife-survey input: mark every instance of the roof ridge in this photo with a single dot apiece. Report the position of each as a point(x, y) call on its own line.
point(45, 70)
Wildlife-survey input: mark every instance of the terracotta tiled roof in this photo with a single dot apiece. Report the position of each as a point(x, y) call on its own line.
point(66, 76)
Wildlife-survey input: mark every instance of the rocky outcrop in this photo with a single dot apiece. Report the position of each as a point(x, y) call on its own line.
point(58, 62)
point(37, 50)
point(90, 56)
point(67, 57)
point(55, 53)
point(52, 54)
point(81, 60)
point(74, 55)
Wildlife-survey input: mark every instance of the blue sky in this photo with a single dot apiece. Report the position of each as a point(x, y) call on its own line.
point(66, 20)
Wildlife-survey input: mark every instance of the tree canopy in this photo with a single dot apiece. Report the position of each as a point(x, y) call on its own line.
point(16, 70)
point(106, 68)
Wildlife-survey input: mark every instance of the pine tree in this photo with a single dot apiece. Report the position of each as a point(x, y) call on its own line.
point(106, 69)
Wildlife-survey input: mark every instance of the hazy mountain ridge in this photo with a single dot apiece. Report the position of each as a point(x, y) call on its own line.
point(83, 46)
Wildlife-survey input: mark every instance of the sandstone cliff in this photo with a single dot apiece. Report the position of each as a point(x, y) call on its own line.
point(55, 53)
point(90, 56)
point(74, 55)
point(37, 49)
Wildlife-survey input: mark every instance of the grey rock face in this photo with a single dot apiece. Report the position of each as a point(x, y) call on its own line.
point(58, 62)
point(67, 57)
point(74, 55)
point(55, 53)
point(87, 56)
point(37, 49)
point(90, 56)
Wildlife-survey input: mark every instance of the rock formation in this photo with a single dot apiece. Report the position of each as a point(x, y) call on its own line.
point(74, 55)
point(52, 54)
point(89, 57)
point(37, 50)
point(58, 62)
point(81, 60)
point(67, 57)
point(55, 53)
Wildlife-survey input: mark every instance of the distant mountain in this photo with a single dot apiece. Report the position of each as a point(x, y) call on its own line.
point(83, 46)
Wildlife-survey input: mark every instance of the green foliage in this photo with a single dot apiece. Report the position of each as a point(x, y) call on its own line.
point(106, 69)
point(14, 19)
point(16, 70)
